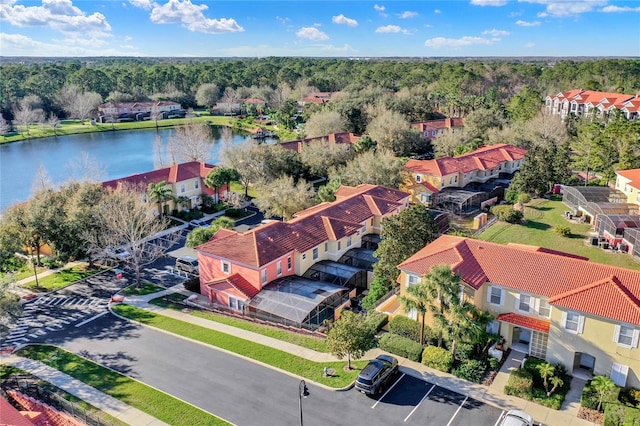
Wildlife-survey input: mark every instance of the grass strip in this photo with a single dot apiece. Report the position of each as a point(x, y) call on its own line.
point(283, 360)
point(152, 401)
point(143, 289)
point(63, 278)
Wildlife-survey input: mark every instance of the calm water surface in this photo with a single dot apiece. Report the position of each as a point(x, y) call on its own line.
point(118, 154)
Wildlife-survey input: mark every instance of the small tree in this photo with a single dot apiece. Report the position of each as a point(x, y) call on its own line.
point(546, 370)
point(417, 298)
point(351, 336)
point(9, 303)
point(602, 385)
point(160, 193)
point(556, 382)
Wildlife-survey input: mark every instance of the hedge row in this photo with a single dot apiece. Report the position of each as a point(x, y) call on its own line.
point(401, 346)
point(438, 358)
point(619, 415)
point(406, 327)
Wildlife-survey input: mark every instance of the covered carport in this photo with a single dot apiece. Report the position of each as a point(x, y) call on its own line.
point(339, 274)
point(297, 301)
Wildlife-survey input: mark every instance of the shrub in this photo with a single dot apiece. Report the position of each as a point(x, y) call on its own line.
point(377, 290)
point(192, 284)
point(438, 358)
point(619, 415)
point(377, 320)
point(630, 397)
point(406, 327)
point(465, 351)
point(401, 346)
point(590, 397)
point(494, 363)
point(234, 213)
point(520, 383)
point(472, 370)
point(562, 230)
point(507, 214)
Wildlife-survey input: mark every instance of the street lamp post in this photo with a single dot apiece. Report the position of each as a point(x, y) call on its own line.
point(303, 392)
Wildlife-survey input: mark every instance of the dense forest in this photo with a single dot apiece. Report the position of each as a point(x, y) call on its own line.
point(454, 81)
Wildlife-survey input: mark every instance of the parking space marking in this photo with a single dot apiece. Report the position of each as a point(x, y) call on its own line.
point(500, 418)
point(457, 411)
point(421, 401)
point(91, 319)
point(390, 387)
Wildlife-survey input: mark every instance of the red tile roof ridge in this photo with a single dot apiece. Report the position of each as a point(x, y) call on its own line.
point(328, 228)
point(371, 203)
point(633, 175)
point(525, 321)
point(238, 282)
point(609, 280)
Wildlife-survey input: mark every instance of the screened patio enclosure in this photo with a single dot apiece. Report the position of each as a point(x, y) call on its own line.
point(297, 301)
point(370, 241)
point(595, 200)
point(361, 258)
point(616, 225)
point(338, 274)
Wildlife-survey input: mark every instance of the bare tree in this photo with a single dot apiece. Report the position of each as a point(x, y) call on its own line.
point(5, 126)
point(41, 180)
point(320, 156)
point(378, 168)
point(444, 145)
point(190, 142)
point(159, 161)
point(66, 97)
point(323, 123)
point(28, 112)
point(155, 114)
point(282, 197)
point(230, 98)
point(248, 160)
point(279, 95)
point(85, 105)
point(207, 94)
point(54, 122)
point(391, 131)
point(129, 222)
point(86, 168)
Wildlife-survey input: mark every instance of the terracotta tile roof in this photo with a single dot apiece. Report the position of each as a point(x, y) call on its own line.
point(632, 105)
point(430, 187)
point(559, 277)
point(308, 229)
point(607, 99)
point(173, 174)
point(546, 250)
point(237, 282)
point(254, 101)
point(525, 321)
point(485, 158)
point(9, 415)
point(633, 175)
point(440, 124)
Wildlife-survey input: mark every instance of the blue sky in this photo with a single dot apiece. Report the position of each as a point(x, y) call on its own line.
point(319, 28)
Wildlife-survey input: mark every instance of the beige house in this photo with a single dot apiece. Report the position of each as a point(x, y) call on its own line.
point(628, 181)
point(548, 304)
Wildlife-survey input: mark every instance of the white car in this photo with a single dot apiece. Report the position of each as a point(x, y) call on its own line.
point(198, 223)
point(117, 253)
point(516, 418)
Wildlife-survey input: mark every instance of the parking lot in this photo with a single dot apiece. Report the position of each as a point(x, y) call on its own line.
point(410, 400)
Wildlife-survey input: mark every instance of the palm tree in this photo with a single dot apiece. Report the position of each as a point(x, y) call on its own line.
point(443, 287)
point(546, 370)
point(418, 298)
point(556, 382)
point(160, 193)
point(466, 323)
point(602, 385)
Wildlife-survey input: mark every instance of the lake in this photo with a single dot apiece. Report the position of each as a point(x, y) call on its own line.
point(117, 154)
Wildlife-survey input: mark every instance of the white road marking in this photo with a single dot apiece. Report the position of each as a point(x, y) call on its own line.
point(91, 319)
point(421, 401)
point(50, 329)
point(35, 336)
point(15, 339)
point(457, 411)
point(385, 394)
point(500, 418)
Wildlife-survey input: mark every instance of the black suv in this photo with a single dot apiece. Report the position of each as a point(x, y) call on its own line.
point(378, 373)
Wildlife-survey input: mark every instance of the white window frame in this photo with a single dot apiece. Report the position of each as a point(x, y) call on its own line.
point(519, 300)
point(539, 302)
point(225, 267)
point(196, 184)
point(315, 254)
point(264, 276)
point(183, 188)
point(418, 178)
point(490, 295)
point(349, 241)
point(493, 327)
point(579, 321)
point(412, 280)
point(289, 263)
point(279, 268)
point(619, 374)
point(634, 334)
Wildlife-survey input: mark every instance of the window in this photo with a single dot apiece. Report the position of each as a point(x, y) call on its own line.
point(371, 222)
point(183, 188)
point(226, 267)
point(264, 276)
point(279, 268)
point(304, 256)
point(493, 327)
point(412, 280)
point(418, 178)
point(523, 303)
point(197, 184)
point(495, 295)
point(425, 198)
point(349, 241)
point(619, 374)
point(573, 322)
point(339, 245)
point(544, 310)
point(289, 263)
point(326, 247)
point(233, 303)
point(315, 253)
point(625, 336)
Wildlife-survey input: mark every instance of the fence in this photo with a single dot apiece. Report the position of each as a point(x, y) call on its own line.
point(485, 226)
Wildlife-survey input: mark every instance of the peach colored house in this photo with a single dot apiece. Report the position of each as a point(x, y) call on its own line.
point(548, 304)
point(581, 101)
point(236, 266)
point(185, 180)
point(432, 128)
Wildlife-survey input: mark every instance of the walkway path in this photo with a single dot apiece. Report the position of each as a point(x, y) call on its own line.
point(18, 288)
point(102, 401)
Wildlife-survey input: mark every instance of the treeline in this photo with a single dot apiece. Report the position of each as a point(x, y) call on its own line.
point(496, 81)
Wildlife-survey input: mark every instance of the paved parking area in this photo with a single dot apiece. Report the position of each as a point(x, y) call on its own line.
point(413, 401)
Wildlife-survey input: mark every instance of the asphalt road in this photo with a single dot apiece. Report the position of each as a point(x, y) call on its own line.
point(246, 393)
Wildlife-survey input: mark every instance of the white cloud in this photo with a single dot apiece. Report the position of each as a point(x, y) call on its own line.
point(496, 33)
point(440, 42)
point(614, 9)
point(407, 14)
point(283, 21)
point(489, 2)
point(127, 39)
point(341, 19)
point(61, 15)
point(379, 8)
point(263, 50)
point(21, 45)
point(390, 29)
point(437, 11)
point(566, 8)
point(527, 23)
point(143, 4)
point(530, 45)
point(311, 33)
point(191, 16)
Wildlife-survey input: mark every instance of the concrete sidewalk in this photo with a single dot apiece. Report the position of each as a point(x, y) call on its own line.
point(493, 394)
point(102, 401)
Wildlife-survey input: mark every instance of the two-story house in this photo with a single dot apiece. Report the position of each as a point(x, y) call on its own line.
point(548, 304)
point(185, 180)
point(581, 101)
point(341, 138)
point(235, 267)
point(426, 178)
point(138, 110)
point(433, 128)
point(628, 181)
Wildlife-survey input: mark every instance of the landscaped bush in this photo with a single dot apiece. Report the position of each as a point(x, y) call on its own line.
point(527, 383)
point(562, 230)
point(472, 370)
point(507, 214)
point(438, 358)
point(406, 327)
point(519, 384)
point(630, 397)
point(619, 415)
point(377, 290)
point(192, 284)
point(377, 320)
point(234, 213)
point(590, 397)
point(465, 351)
point(401, 346)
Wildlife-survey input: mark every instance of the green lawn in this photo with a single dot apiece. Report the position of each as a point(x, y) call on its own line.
point(62, 278)
point(541, 218)
point(154, 402)
point(239, 188)
point(268, 355)
point(144, 288)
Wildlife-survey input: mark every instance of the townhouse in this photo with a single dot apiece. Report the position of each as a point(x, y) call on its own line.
point(139, 110)
point(341, 138)
point(433, 128)
point(581, 101)
point(295, 271)
point(185, 180)
point(548, 304)
point(628, 181)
